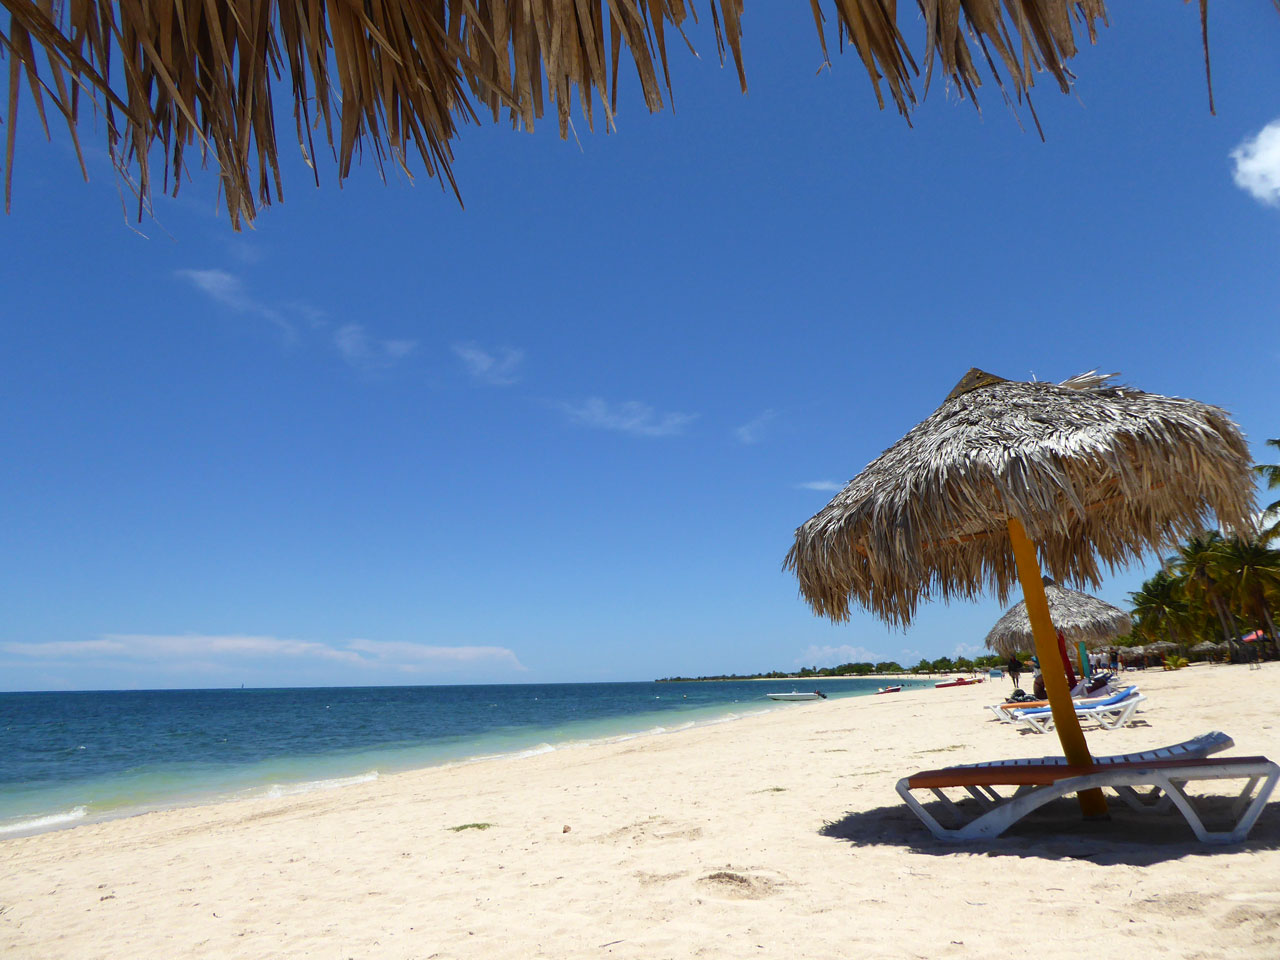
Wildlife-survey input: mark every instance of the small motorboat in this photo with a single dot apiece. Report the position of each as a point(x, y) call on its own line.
point(958, 682)
point(897, 689)
point(797, 695)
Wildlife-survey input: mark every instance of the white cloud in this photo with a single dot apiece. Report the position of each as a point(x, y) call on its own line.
point(496, 369)
point(369, 353)
point(826, 486)
point(829, 656)
point(216, 650)
point(752, 431)
point(228, 290)
point(632, 417)
point(970, 650)
point(417, 654)
point(1257, 164)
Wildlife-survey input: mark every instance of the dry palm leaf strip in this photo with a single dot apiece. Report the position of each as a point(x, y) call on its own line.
point(397, 75)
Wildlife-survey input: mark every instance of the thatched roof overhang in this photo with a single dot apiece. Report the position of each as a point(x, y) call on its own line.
point(1095, 473)
point(397, 75)
point(1080, 617)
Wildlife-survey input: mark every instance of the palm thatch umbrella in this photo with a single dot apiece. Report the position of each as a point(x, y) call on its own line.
point(398, 75)
point(1207, 647)
point(1080, 618)
point(1086, 470)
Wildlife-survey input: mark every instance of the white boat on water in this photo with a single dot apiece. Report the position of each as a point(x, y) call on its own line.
point(797, 695)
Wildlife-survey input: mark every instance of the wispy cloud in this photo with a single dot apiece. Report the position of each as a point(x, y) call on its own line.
point(352, 341)
point(826, 486)
point(497, 369)
point(1257, 164)
point(634, 418)
point(754, 430)
point(364, 352)
point(970, 650)
point(221, 649)
point(833, 656)
point(415, 656)
point(228, 290)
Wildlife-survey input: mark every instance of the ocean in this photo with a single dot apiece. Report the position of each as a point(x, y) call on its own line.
point(74, 758)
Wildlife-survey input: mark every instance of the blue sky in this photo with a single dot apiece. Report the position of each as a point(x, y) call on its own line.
point(567, 432)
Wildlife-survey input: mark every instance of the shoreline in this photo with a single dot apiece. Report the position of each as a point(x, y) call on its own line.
point(80, 815)
point(777, 836)
point(98, 800)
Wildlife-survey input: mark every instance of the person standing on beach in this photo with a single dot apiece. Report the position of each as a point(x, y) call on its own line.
point(1015, 670)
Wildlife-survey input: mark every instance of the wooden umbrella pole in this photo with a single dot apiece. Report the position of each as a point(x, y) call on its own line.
point(1092, 802)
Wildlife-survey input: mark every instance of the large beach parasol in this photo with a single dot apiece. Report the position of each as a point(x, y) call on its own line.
point(1082, 471)
point(401, 76)
point(1079, 617)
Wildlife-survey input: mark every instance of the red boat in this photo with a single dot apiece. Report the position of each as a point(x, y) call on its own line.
point(958, 682)
point(897, 689)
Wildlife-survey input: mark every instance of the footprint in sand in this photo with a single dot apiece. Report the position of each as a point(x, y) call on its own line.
point(737, 886)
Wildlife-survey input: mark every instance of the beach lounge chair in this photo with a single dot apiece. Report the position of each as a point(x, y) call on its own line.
point(1115, 711)
point(1004, 712)
point(1039, 781)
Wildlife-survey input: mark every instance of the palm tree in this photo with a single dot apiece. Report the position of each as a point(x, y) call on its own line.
point(1160, 607)
point(1249, 571)
point(1270, 472)
point(1199, 563)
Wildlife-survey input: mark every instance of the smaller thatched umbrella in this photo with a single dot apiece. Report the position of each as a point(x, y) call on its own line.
point(1079, 617)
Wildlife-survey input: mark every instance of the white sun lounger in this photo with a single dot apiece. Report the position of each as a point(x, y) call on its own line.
point(1040, 784)
point(1111, 713)
point(1155, 799)
point(1004, 712)
point(1202, 746)
point(1041, 780)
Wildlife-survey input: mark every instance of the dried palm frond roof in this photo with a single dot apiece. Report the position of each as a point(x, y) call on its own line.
point(1207, 646)
point(397, 75)
point(1080, 618)
point(1095, 472)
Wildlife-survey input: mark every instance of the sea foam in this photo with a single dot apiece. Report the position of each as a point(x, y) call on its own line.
point(309, 786)
point(38, 824)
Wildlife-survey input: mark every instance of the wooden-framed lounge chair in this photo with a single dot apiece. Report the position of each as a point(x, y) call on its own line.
point(1040, 781)
point(1115, 711)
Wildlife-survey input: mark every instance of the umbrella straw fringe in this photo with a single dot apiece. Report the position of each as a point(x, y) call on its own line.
point(397, 76)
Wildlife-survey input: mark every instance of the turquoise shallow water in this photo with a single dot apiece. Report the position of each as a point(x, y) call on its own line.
point(68, 758)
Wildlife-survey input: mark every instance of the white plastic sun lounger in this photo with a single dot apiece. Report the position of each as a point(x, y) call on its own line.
point(1045, 779)
point(1004, 712)
point(1111, 713)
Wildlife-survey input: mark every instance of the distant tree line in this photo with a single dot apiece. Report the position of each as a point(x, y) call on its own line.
point(862, 669)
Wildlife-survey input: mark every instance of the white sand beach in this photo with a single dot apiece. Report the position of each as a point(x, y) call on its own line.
point(773, 836)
